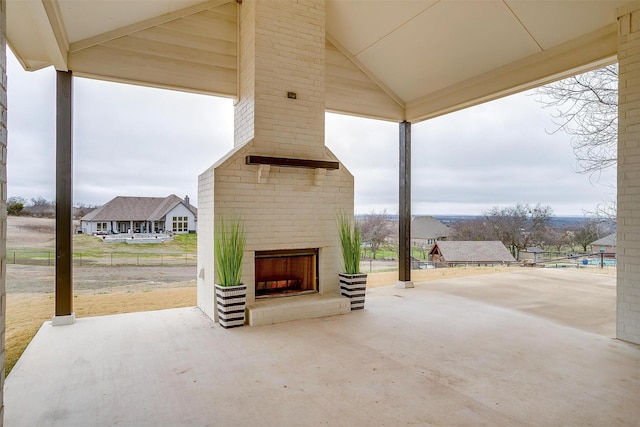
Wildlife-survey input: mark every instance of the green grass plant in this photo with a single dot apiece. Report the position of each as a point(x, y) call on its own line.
point(350, 244)
point(229, 242)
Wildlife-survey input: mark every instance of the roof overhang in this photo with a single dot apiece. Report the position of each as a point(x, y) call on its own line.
point(391, 60)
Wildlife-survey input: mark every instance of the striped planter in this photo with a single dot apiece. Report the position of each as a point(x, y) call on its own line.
point(353, 286)
point(231, 301)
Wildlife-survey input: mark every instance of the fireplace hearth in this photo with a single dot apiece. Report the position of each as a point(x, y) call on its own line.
point(286, 272)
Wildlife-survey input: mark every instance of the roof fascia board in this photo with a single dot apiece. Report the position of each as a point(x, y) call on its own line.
point(143, 25)
point(589, 52)
point(365, 70)
point(153, 85)
point(46, 14)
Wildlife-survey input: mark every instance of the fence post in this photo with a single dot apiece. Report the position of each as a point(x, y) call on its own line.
point(186, 261)
point(111, 259)
point(48, 259)
point(138, 258)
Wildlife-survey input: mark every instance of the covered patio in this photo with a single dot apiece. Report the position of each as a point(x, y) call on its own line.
point(524, 348)
point(452, 360)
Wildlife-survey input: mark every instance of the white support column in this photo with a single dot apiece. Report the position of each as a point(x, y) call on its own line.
point(628, 229)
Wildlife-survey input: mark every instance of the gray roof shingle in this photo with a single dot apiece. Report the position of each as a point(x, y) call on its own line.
point(428, 227)
point(472, 251)
point(610, 240)
point(124, 208)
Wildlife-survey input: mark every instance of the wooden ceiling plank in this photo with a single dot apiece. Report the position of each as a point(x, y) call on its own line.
point(172, 52)
point(104, 63)
point(210, 28)
point(143, 25)
point(170, 36)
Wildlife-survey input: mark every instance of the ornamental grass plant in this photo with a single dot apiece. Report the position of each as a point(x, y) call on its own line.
point(350, 244)
point(229, 250)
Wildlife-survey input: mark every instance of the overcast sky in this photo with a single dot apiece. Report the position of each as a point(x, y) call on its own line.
point(138, 141)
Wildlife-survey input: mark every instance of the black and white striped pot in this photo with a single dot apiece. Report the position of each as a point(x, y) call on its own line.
point(353, 286)
point(230, 302)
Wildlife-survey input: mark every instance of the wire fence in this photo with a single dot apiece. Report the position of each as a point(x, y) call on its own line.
point(114, 259)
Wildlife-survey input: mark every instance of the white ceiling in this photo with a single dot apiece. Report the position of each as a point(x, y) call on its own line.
point(428, 56)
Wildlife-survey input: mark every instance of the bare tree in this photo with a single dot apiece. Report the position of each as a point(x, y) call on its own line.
point(375, 229)
point(473, 230)
point(82, 209)
point(586, 107)
point(589, 232)
point(519, 226)
point(556, 238)
point(41, 207)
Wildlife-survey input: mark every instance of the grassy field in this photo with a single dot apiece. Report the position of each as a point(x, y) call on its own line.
point(36, 246)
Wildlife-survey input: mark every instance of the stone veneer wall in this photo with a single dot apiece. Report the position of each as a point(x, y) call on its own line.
point(628, 277)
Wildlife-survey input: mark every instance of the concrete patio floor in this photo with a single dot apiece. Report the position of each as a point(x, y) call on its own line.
point(523, 348)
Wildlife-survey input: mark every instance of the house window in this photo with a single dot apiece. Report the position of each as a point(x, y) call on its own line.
point(101, 226)
point(180, 223)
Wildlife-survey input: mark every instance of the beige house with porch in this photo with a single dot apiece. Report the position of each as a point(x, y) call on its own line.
point(126, 214)
point(285, 63)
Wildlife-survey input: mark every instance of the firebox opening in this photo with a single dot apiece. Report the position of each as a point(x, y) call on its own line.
point(286, 272)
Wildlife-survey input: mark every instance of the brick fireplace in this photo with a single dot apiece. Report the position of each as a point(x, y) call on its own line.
point(281, 180)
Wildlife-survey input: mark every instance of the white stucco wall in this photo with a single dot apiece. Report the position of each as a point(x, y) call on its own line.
point(179, 211)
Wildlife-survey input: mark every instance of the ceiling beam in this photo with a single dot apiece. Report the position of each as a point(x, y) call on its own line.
point(143, 25)
point(594, 50)
point(46, 14)
point(365, 70)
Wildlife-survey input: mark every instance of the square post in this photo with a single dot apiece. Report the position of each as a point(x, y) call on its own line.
point(404, 210)
point(64, 314)
point(628, 224)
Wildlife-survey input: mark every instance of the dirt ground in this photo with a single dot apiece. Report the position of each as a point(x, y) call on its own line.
point(40, 279)
point(27, 232)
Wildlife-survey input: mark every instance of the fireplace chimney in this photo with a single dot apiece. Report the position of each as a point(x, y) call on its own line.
point(289, 200)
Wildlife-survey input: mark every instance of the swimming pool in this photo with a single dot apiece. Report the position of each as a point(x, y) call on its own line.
point(595, 261)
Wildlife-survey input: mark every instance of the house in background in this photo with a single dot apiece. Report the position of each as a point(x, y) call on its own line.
point(142, 215)
point(607, 245)
point(470, 252)
point(531, 254)
point(427, 230)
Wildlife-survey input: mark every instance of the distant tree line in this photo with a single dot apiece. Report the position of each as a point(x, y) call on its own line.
point(41, 207)
point(519, 227)
point(523, 226)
